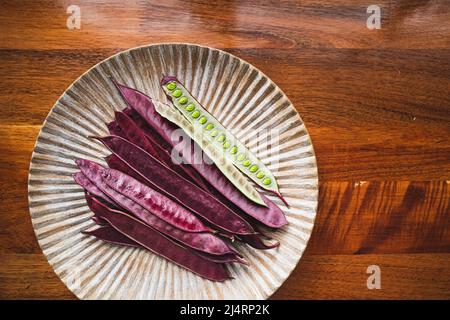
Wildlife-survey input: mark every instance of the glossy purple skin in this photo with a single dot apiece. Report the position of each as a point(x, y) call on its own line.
point(151, 133)
point(88, 186)
point(133, 133)
point(153, 201)
point(205, 242)
point(161, 206)
point(155, 242)
point(172, 184)
point(271, 216)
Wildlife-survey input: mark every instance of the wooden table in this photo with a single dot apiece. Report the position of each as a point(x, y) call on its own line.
point(376, 103)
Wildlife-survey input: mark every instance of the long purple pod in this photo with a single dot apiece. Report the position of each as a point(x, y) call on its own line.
point(109, 234)
point(254, 241)
point(153, 201)
point(161, 206)
point(154, 241)
point(271, 216)
point(209, 245)
point(205, 242)
point(175, 186)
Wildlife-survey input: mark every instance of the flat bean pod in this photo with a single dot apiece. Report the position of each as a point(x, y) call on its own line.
point(157, 243)
point(219, 136)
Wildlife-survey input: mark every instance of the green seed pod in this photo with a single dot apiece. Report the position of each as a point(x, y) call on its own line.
point(233, 174)
point(219, 130)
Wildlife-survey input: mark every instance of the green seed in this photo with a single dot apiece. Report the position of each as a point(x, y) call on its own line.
point(253, 168)
point(260, 175)
point(267, 181)
point(190, 107)
point(177, 93)
point(221, 138)
point(214, 133)
point(183, 100)
point(171, 86)
point(195, 114)
point(202, 120)
point(240, 157)
point(209, 127)
point(233, 150)
point(226, 144)
point(246, 163)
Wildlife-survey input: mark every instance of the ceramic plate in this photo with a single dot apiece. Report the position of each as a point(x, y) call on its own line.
point(235, 92)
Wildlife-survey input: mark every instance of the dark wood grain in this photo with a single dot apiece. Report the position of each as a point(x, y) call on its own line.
point(376, 104)
point(403, 276)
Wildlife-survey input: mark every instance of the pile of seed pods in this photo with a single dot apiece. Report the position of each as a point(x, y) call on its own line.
point(190, 213)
